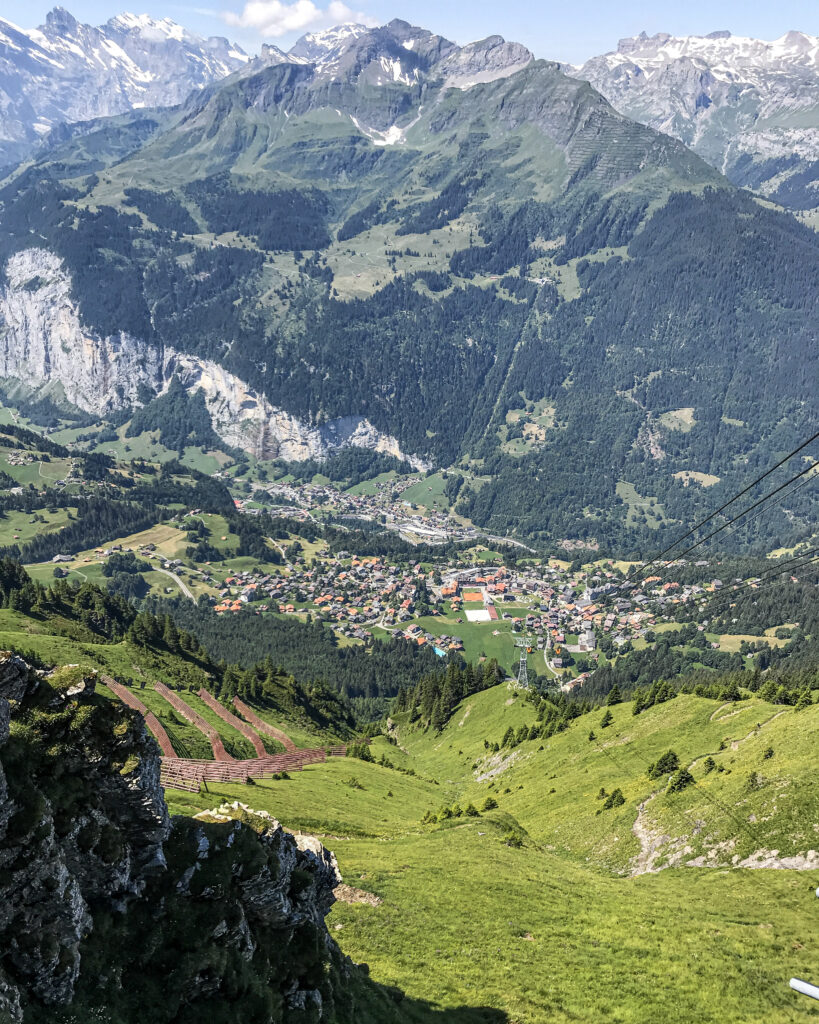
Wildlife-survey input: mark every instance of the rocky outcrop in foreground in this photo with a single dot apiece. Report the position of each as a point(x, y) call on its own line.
point(107, 902)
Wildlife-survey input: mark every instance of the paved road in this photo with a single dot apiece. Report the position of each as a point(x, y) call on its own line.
point(182, 586)
point(280, 549)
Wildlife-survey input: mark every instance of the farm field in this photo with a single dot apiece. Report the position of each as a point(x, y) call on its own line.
point(169, 540)
point(38, 472)
point(733, 641)
point(21, 527)
point(428, 491)
point(371, 486)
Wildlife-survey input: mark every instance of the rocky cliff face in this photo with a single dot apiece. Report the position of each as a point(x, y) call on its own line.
point(42, 341)
point(72, 832)
point(106, 903)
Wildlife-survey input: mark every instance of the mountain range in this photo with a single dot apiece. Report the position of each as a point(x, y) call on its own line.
point(65, 71)
point(459, 256)
point(747, 106)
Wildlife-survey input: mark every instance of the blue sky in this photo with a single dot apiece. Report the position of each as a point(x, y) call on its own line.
point(559, 30)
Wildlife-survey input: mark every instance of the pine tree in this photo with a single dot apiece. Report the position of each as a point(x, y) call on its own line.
point(669, 762)
point(437, 719)
point(170, 635)
point(614, 696)
point(767, 691)
point(680, 780)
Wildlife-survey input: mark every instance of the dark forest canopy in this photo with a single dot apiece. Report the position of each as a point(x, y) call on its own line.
point(88, 614)
point(307, 650)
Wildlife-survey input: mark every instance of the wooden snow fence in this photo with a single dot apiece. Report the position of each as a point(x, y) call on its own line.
point(232, 720)
point(261, 726)
point(189, 774)
point(151, 720)
point(194, 773)
point(195, 719)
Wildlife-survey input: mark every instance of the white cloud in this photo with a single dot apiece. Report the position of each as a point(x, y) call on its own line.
point(273, 18)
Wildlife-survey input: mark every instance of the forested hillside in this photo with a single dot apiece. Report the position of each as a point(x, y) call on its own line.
point(528, 286)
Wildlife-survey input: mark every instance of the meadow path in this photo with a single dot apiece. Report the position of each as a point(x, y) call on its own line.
point(652, 842)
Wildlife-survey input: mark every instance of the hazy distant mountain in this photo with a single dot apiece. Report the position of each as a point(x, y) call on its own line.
point(319, 47)
point(398, 52)
point(65, 71)
point(749, 107)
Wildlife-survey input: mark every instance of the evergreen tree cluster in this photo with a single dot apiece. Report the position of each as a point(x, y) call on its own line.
point(309, 651)
point(554, 714)
point(286, 220)
point(435, 696)
point(180, 417)
point(163, 208)
point(86, 612)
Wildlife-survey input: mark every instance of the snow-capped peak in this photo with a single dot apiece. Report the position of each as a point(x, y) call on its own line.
point(736, 100)
point(320, 46)
point(66, 71)
point(734, 53)
point(148, 27)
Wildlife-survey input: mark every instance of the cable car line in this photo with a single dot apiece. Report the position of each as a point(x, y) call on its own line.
point(722, 507)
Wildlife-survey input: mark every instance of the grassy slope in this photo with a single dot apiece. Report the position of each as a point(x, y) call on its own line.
point(19, 525)
point(298, 733)
point(235, 742)
point(322, 798)
point(27, 634)
point(428, 492)
point(471, 922)
point(187, 740)
point(553, 783)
